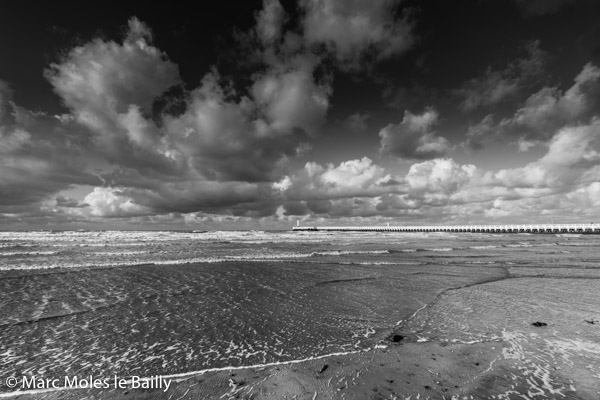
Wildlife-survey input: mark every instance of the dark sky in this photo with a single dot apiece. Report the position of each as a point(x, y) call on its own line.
point(252, 114)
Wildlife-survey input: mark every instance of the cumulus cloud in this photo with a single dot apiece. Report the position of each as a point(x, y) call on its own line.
point(360, 188)
point(111, 202)
point(226, 139)
point(573, 153)
point(413, 138)
point(227, 153)
point(496, 86)
point(360, 177)
point(110, 89)
point(351, 29)
point(291, 99)
point(442, 175)
point(565, 177)
point(220, 152)
point(107, 77)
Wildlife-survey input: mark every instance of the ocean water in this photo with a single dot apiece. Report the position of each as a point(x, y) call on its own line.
point(162, 303)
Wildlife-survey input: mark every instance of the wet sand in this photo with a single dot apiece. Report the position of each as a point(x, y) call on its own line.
point(473, 342)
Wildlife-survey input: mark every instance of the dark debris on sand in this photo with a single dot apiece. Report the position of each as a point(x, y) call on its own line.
point(396, 338)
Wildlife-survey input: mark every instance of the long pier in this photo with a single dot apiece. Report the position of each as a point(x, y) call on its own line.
point(537, 228)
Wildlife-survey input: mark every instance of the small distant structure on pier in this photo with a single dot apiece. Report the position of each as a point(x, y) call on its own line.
point(537, 228)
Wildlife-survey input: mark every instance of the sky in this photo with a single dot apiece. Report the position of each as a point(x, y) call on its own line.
point(258, 114)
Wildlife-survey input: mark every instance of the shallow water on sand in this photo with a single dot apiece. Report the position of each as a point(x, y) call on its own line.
point(149, 303)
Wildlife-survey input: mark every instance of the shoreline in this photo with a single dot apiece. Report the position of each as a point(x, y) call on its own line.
point(375, 372)
point(411, 370)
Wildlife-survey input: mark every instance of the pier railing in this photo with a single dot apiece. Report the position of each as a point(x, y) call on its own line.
point(537, 228)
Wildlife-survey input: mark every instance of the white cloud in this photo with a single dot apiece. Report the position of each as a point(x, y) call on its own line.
point(110, 88)
point(226, 155)
point(563, 182)
point(104, 77)
point(572, 153)
point(360, 177)
point(413, 138)
point(220, 153)
point(291, 99)
point(442, 175)
point(224, 139)
point(353, 28)
point(112, 202)
point(353, 173)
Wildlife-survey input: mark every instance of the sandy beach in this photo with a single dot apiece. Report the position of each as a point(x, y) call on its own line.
point(425, 357)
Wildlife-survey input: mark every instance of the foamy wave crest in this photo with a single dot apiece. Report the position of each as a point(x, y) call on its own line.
point(28, 253)
point(347, 252)
point(579, 244)
point(269, 256)
point(483, 247)
point(141, 262)
point(387, 263)
point(119, 253)
point(15, 245)
point(440, 249)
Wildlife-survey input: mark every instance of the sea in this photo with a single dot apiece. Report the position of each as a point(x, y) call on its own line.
point(150, 303)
